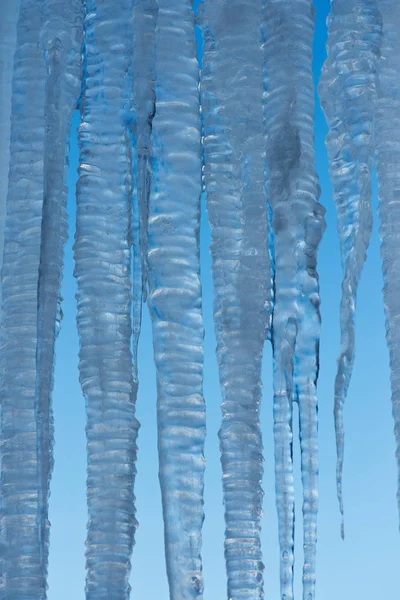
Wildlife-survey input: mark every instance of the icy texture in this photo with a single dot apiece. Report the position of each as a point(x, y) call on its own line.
point(144, 26)
point(388, 160)
point(8, 41)
point(298, 223)
point(22, 519)
point(62, 39)
point(348, 94)
point(175, 294)
point(103, 270)
point(234, 154)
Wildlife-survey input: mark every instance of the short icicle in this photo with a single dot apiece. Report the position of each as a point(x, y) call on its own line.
point(234, 156)
point(387, 136)
point(298, 224)
point(103, 245)
point(348, 94)
point(175, 294)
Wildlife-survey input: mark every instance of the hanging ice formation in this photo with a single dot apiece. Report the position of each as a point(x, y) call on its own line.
point(175, 294)
point(143, 71)
point(298, 223)
point(46, 87)
point(138, 214)
point(103, 269)
point(388, 157)
point(348, 94)
point(8, 41)
point(234, 155)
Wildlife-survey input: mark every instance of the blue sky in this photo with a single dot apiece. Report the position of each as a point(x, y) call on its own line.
point(366, 564)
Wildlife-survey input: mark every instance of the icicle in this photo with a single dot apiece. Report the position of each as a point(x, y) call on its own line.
point(298, 223)
point(8, 42)
point(62, 39)
point(348, 93)
point(234, 153)
point(103, 268)
point(175, 294)
point(23, 575)
point(387, 132)
point(144, 26)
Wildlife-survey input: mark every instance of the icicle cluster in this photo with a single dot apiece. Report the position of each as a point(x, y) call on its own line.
point(298, 223)
point(348, 93)
point(234, 156)
point(45, 90)
point(388, 159)
point(137, 233)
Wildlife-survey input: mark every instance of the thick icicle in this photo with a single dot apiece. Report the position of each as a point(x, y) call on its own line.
point(23, 574)
point(62, 39)
point(234, 154)
point(298, 223)
point(175, 294)
point(103, 268)
point(387, 134)
point(8, 42)
point(144, 27)
point(348, 93)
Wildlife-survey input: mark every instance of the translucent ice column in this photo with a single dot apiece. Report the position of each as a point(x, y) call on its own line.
point(103, 270)
point(175, 294)
point(234, 155)
point(388, 160)
point(298, 223)
point(348, 93)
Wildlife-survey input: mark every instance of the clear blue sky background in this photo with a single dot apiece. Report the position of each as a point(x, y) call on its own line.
point(365, 566)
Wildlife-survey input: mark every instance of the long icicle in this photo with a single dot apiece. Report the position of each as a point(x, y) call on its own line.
point(387, 134)
point(23, 575)
point(8, 44)
point(62, 39)
point(348, 94)
point(175, 295)
point(234, 153)
point(298, 224)
point(103, 270)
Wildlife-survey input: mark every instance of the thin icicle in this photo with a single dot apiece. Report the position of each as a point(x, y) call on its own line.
point(8, 42)
point(298, 224)
point(348, 94)
point(62, 39)
point(144, 28)
point(388, 160)
point(23, 574)
point(175, 294)
point(234, 153)
point(103, 270)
